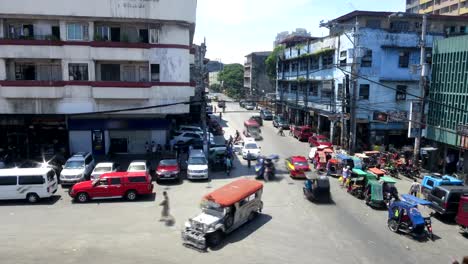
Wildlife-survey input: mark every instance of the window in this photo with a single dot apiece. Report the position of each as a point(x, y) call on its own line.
point(25, 72)
point(463, 28)
point(30, 180)
point(8, 180)
point(110, 72)
point(154, 35)
point(399, 26)
point(366, 60)
point(88, 160)
point(314, 89)
point(294, 67)
point(293, 88)
point(50, 175)
point(78, 71)
point(373, 23)
point(314, 63)
point(303, 66)
point(326, 93)
point(155, 72)
point(129, 74)
point(102, 33)
point(401, 92)
point(77, 32)
point(430, 183)
point(403, 60)
point(143, 35)
point(114, 181)
point(327, 59)
point(364, 91)
point(103, 182)
point(340, 91)
point(343, 54)
point(439, 193)
point(137, 179)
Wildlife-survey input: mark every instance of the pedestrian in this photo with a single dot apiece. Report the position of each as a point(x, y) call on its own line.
point(345, 174)
point(280, 132)
point(249, 158)
point(214, 109)
point(153, 149)
point(220, 115)
point(165, 208)
point(415, 188)
point(228, 166)
point(147, 147)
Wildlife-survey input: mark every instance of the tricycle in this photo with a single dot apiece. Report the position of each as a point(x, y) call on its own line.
point(404, 216)
point(317, 187)
point(265, 167)
point(379, 193)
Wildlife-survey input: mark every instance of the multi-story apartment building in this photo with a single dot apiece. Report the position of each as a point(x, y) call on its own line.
point(62, 60)
point(438, 7)
point(385, 53)
point(256, 80)
point(448, 100)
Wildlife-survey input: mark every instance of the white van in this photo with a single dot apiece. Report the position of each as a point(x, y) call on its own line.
point(31, 184)
point(197, 165)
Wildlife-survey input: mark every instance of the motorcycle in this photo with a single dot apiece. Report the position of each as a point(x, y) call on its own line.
point(265, 167)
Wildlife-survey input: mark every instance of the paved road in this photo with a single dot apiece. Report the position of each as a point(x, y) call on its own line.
point(290, 230)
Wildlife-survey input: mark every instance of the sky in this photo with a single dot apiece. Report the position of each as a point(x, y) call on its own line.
point(235, 28)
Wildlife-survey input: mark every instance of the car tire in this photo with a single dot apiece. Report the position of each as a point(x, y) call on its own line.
point(32, 197)
point(214, 239)
point(82, 197)
point(131, 195)
point(392, 225)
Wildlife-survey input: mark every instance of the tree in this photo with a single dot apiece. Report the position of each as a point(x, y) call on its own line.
point(232, 79)
point(270, 62)
point(216, 87)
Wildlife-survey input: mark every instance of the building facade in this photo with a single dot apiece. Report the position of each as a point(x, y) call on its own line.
point(312, 86)
point(438, 7)
point(448, 100)
point(63, 60)
point(280, 37)
point(256, 80)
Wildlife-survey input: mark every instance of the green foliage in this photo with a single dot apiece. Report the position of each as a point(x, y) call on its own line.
point(232, 78)
point(216, 87)
point(270, 62)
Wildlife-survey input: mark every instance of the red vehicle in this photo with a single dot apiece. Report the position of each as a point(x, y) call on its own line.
point(113, 185)
point(297, 166)
point(302, 133)
point(168, 170)
point(319, 140)
point(462, 216)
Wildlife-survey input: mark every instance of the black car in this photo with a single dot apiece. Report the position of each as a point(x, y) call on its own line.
point(278, 121)
point(266, 114)
point(257, 119)
point(445, 199)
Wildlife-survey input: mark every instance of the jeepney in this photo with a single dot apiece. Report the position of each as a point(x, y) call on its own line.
point(223, 211)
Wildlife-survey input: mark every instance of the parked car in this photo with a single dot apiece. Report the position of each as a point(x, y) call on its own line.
point(31, 184)
point(195, 129)
point(266, 114)
point(257, 119)
point(223, 211)
point(139, 166)
point(184, 137)
point(278, 121)
point(249, 106)
point(168, 169)
point(77, 168)
point(302, 133)
point(113, 185)
point(53, 163)
point(221, 104)
point(197, 165)
point(103, 167)
point(319, 140)
point(429, 182)
point(445, 199)
point(242, 103)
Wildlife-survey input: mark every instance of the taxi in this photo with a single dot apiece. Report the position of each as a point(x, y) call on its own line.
point(297, 166)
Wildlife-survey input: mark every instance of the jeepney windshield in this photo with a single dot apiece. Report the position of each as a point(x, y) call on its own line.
point(212, 208)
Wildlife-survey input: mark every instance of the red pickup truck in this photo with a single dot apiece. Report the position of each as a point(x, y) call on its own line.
point(113, 185)
point(302, 133)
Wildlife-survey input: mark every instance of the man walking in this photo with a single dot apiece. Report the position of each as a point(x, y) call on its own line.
point(249, 158)
point(165, 208)
point(415, 188)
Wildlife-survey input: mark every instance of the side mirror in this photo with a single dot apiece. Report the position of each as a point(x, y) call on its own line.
point(63, 166)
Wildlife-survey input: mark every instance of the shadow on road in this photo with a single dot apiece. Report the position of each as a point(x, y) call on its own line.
point(445, 219)
point(244, 231)
point(45, 201)
point(141, 198)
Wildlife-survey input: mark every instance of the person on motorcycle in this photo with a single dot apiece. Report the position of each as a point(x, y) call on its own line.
point(237, 135)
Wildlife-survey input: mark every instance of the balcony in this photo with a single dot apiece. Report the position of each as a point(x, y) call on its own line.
point(428, 10)
point(421, 2)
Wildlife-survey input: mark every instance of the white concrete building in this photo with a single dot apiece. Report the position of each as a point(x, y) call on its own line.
point(63, 57)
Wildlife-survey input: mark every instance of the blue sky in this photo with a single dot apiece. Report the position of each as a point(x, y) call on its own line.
point(235, 28)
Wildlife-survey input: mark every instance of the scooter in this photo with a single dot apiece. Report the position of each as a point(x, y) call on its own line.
point(265, 167)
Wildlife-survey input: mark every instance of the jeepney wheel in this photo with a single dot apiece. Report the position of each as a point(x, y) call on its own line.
point(392, 225)
point(252, 215)
point(214, 239)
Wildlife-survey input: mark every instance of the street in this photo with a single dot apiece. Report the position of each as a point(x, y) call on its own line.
point(290, 229)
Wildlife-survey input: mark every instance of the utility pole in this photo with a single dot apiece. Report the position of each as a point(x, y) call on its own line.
point(355, 73)
point(422, 91)
point(344, 112)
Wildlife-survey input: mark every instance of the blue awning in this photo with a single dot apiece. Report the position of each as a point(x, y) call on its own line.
point(388, 126)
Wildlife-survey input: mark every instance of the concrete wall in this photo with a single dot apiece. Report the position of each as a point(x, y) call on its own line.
point(180, 10)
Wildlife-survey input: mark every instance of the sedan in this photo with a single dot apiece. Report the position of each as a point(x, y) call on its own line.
point(266, 114)
point(319, 140)
point(249, 106)
point(279, 121)
point(250, 150)
point(103, 167)
point(257, 119)
point(168, 170)
point(297, 166)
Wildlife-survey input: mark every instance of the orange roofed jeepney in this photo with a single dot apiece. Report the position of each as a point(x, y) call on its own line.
point(223, 211)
